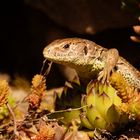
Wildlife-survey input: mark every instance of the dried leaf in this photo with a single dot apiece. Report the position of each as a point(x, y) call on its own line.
point(34, 101)
point(46, 132)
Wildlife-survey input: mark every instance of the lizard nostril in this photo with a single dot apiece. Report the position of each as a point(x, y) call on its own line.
point(85, 50)
point(66, 46)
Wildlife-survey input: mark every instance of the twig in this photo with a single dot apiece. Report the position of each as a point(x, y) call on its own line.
point(48, 69)
point(14, 119)
point(67, 110)
point(43, 65)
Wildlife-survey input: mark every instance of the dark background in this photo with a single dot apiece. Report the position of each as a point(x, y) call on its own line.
point(25, 30)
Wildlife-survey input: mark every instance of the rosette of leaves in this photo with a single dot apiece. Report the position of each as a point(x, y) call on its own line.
point(103, 108)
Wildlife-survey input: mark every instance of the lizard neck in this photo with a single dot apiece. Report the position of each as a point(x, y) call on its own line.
point(90, 70)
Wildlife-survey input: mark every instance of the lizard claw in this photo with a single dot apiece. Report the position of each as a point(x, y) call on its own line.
point(111, 57)
point(104, 76)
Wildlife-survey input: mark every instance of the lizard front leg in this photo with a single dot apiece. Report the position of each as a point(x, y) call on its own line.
point(111, 58)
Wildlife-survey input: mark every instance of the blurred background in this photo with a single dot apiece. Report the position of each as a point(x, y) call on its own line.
point(27, 26)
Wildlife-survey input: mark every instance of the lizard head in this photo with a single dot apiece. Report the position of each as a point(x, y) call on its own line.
point(76, 53)
point(73, 52)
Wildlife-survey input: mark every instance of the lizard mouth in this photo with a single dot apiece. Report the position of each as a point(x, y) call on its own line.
point(48, 53)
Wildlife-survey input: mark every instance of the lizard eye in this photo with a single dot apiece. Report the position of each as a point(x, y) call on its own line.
point(66, 46)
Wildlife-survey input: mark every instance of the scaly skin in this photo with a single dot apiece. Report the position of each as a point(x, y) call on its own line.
point(91, 60)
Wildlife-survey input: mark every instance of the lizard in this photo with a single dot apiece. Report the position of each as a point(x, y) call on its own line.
point(91, 60)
